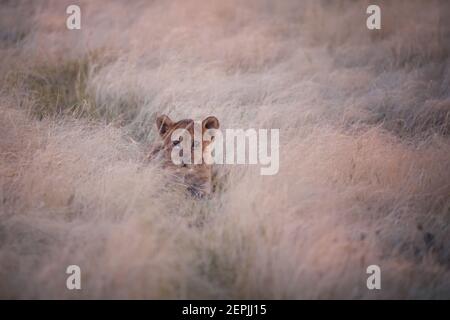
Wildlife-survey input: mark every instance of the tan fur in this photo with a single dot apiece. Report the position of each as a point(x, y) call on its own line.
point(196, 177)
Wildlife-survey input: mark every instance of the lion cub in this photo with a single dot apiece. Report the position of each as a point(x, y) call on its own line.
point(197, 177)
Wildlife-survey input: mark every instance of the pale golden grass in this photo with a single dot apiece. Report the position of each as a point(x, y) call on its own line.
point(364, 156)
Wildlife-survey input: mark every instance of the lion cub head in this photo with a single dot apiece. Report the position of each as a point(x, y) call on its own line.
point(196, 176)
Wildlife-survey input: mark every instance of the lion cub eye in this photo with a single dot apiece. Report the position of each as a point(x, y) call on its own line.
point(176, 142)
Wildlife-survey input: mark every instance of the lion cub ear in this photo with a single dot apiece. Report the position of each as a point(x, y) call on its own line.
point(210, 123)
point(163, 123)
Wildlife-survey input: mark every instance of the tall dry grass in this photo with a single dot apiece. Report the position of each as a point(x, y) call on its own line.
point(364, 118)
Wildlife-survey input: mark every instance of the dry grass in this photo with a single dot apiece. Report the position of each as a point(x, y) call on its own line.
point(364, 174)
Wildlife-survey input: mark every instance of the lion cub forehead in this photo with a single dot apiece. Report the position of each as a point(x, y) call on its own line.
point(186, 124)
